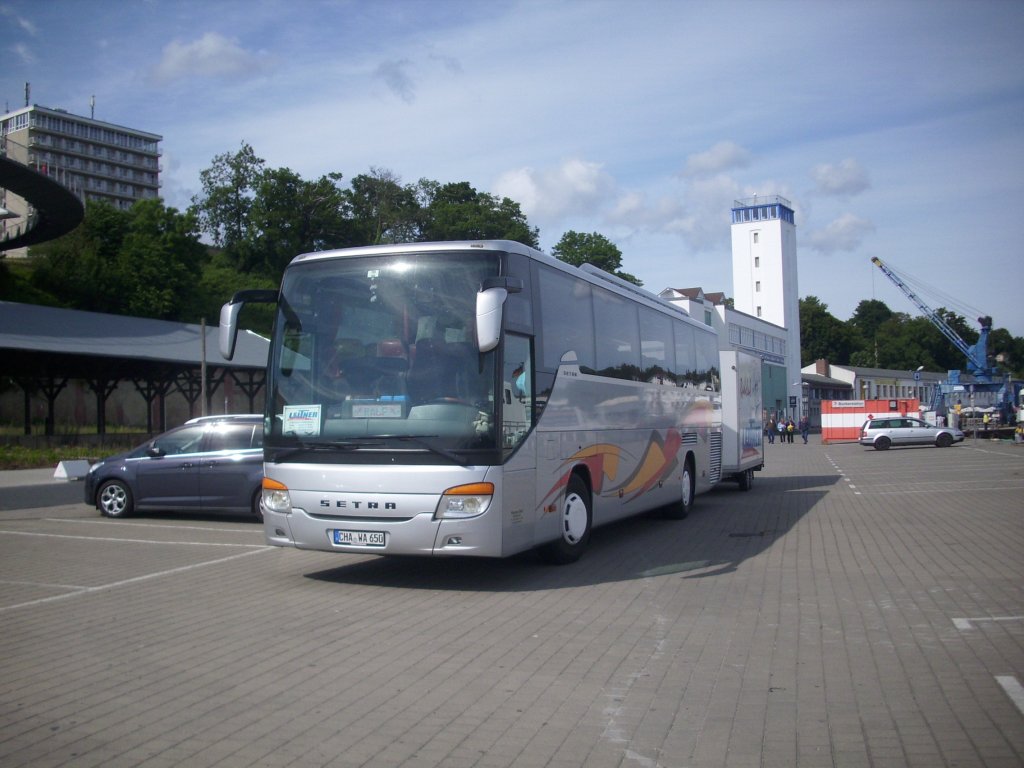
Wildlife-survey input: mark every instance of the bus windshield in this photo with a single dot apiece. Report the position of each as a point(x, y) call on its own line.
point(376, 352)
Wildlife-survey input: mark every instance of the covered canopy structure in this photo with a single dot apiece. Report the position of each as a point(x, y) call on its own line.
point(57, 210)
point(42, 349)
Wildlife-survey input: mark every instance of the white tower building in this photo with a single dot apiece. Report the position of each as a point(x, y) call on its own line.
point(764, 277)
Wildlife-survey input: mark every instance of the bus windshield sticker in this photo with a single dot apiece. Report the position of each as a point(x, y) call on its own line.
point(302, 420)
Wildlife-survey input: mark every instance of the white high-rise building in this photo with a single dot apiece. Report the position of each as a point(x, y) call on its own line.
point(764, 273)
point(94, 159)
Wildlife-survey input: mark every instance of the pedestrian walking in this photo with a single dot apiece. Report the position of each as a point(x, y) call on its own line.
point(790, 429)
point(805, 428)
point(772, 429)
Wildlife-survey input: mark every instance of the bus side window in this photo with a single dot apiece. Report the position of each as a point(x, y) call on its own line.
point(567, 318)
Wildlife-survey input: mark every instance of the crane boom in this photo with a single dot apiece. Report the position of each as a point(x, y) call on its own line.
point(977, 356)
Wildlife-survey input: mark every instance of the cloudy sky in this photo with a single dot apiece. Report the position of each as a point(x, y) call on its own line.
point(896, 128)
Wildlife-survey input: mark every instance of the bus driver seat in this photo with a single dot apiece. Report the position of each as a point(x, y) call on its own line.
point(345, 371)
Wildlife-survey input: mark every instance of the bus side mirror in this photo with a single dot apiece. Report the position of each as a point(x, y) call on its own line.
point(229, 328)
point(489, 301)
point(488, 317)
point(229, 317)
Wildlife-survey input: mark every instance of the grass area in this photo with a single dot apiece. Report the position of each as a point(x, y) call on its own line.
point(21, 457)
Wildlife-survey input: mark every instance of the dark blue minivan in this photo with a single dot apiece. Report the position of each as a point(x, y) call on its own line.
point(212, 463)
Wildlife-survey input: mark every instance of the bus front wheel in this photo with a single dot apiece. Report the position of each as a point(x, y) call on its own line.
point(575, 521)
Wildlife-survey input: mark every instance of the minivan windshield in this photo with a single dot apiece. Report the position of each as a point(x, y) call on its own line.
point(379, 353)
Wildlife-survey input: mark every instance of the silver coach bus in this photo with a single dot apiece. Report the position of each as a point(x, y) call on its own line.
point(476, 398)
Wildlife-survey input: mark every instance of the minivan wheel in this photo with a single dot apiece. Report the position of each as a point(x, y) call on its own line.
point(115, 499)
point(257, 505)
point(882, 444)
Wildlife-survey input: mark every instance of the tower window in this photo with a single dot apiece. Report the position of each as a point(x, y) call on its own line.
point(755, 236)
point(757, 286)
point(758, 311)
point(757, 261)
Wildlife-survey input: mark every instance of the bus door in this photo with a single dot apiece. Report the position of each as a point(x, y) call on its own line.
point(519, 448)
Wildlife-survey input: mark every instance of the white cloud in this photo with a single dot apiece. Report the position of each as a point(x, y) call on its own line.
point(723, 156)
point(574, 186)
point(696, 212)
point(26, 24)
point(842, 180)
point(212, 55)
point(24, 53)
point(843, 234)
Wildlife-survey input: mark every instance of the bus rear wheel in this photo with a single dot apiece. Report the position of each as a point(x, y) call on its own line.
point(682, 508)
point(575, 522)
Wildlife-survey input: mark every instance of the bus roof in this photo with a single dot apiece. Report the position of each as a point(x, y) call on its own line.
point(587, 272)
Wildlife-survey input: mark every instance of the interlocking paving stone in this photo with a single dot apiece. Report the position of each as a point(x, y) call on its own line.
point(807, 622)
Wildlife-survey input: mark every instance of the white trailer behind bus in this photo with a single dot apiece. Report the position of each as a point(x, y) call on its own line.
point(742, 418)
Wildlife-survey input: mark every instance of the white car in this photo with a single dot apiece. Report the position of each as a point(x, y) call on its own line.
point(882, 432)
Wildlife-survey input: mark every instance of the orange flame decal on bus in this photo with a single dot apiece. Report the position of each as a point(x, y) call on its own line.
point(660, 458)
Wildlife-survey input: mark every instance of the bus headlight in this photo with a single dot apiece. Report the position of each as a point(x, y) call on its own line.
point(464, 501)
point(276, 497)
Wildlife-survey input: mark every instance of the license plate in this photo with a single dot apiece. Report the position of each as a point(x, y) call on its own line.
point(359, 538)
point(377, 411)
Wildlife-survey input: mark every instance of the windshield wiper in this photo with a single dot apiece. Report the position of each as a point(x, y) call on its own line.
point(424, 441)
point(328, 445)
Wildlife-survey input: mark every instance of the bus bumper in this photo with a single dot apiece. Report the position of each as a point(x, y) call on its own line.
point(419, 535)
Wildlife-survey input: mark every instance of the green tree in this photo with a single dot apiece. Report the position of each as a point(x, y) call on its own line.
point(904, 343)
point(822, 336)
point(577, 248)
point(456, 211)
point(289, 216)
point(1007, 351)
point(959, 325)
point(869, 314)
point(229, 186)
point(158, 262)
point(144, 262)
point(79, 269)
point(218, 282)
point(382, 210)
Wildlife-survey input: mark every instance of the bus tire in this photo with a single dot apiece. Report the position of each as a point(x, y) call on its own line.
point(682, 508)
point(574, 525)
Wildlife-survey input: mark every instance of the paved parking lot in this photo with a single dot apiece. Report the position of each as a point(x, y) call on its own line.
point(854, 609)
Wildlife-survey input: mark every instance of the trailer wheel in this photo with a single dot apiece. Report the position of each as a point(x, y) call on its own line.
point(746, 480)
